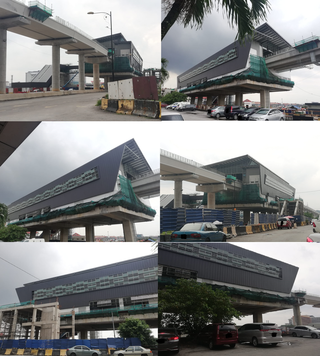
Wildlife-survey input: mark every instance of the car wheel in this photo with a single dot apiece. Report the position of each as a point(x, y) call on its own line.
point(254, 341)
point(294, 334)
point(314, 336)
point(232, 346)
point(73, 354)
point(224, 239)
point(95, 354)
point(207, 239)
point(217, 116)
point(281, 119)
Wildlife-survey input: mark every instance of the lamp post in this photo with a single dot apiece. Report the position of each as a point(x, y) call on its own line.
point(112, 49)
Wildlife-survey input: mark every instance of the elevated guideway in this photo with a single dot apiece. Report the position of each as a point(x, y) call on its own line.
point(178, 169)
point(34, 21)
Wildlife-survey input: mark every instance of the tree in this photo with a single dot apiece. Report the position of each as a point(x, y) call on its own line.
point(164, 72)
point(137, 328)
point(12, 233)
point(192, 12)
point(191, 305)
point(3, 215)
point(174, 97)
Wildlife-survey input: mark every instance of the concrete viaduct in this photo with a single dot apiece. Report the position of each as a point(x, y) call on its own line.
point(35, 22)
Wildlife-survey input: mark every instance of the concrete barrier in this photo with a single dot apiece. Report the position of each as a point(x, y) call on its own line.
point(241, 230)
point(104, 104)
point(48, 352)
point(233, 230)
point(112, 105)
point(63, 352)
point(8, 352)
point(20, 352)
point(34, 352)
point(249, 230)
point(125, 107)
point(147, 108)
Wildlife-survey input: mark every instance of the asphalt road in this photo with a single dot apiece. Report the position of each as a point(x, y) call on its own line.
point(75, 107)
point(292, 235)
point(289, 347)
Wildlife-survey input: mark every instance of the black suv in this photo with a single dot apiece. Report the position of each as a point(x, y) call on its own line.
point(232, 112)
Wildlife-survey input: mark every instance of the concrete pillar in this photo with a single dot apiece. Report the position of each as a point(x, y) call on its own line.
point(246, 217)
point(265, 98)
point(14, 325)
point(33, 327)
point(82, 75)
point(55, 67)
point(96, 76)
point(3, 60)
point(297, 314)
point(90, 233)
point(239, 99)
point(64, 233)
point(73, 330)
point(257, 317)
point(211, 200)
point(128, 231)
point(1, 317)
point(33, 234)
point(177, 194)
point(221, 100)
point(83, 334)
point(46, 235)
point(106, 80)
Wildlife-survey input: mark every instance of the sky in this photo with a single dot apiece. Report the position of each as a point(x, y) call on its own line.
point(24, 55)
point(186, 47)
point(302, 255)
point(288, 149)
point(56, 148)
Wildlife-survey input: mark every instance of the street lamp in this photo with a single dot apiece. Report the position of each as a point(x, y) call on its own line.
point(112, 49)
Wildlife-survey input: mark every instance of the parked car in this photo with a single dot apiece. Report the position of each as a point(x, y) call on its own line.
point(216, 112)
point(134, 351)
point(185, 107)
point(171, 116)
point(245, 115)
point(168, 340)
point(260, 334)
point(198, 232)
point(82, 350)
point(218, 334)
point(232, 112)
point(267, 114)
point(284, 222)
point(172, 106)
point(302, 330)
point(315, 237)
point(316, 225)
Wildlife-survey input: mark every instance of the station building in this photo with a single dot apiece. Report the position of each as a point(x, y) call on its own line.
point(256, 283)
point(89, 300)
point(98, 193)
point(238, 69)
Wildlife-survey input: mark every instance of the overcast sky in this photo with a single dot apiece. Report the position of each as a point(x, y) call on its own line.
point(302, 255)
point(186, 47)
point(288, 149)
point(34, 259)
point(57, 148)
point(138, 21)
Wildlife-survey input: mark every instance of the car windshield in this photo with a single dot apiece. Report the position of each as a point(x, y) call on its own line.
point(262, 111)
point(312, 328)
point(191, 227)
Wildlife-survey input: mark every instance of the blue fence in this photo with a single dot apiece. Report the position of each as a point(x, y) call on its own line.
point(58, 344)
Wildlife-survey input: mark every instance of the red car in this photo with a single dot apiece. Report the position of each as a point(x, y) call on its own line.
point(284, 222)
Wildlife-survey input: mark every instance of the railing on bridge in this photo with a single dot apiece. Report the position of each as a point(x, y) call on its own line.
point(133, 309)
point(180, 158)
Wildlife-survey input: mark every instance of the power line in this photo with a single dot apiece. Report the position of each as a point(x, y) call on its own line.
point(20, 268)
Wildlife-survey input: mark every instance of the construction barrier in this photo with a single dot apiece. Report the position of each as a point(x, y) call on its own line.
point(241, 230)
point(20, 352)
point(147, 108)
point(233, 230)
point(125, 107)
point(249, 230)
point(48, 352)
point(112, 105)
point(8, 352)
point(104, 104)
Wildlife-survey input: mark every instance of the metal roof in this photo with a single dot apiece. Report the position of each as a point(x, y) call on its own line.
point(268, 38)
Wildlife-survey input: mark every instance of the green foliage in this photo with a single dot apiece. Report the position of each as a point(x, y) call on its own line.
point(137, 328)
point(164, 72)
point(241, 13)
point(173, 97)
point(98, 102)
point(190, 306)
point(12, 233)
point(3, 214)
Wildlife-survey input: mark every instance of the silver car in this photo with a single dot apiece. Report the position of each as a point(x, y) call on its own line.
point(302, 330)
point(82, 350)
point(134, 351)
point(266, 114)
point(260, 334)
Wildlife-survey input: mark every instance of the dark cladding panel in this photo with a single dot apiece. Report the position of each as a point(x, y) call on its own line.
point(107, 166)
point(223, 273)
point(232, 58)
